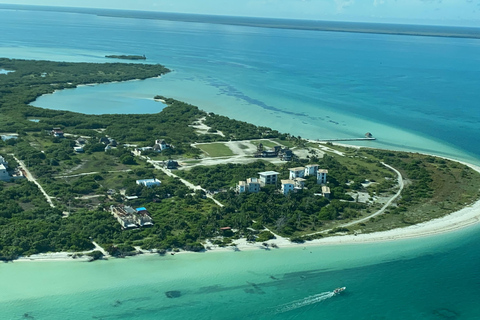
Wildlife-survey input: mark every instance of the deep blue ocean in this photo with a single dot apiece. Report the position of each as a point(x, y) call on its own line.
point(412, 93)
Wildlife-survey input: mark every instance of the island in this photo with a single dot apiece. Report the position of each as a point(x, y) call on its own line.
point(183, 179)
point(127, 57)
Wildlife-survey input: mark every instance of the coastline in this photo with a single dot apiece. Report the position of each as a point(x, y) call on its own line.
point(463, 218)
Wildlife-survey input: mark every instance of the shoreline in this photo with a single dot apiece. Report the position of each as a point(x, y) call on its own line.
point(455, 221)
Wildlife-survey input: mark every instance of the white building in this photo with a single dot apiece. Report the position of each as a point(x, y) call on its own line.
point(251, 185)
point(160, 145)
point(3, 161)
point(4, 175)
point(326, 192)
point(299, 183)
point(287, 186)
point(242, 187)
point(311, 169)
point(297, 172)
point(322, 176)
point(268, 177)
point(149, 182)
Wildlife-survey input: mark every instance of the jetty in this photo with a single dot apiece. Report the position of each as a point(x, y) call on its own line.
point(345, 139)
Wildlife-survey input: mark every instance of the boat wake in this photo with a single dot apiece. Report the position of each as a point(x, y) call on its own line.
point(305, 301)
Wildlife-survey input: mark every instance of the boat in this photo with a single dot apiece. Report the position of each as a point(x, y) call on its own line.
point(339, 290)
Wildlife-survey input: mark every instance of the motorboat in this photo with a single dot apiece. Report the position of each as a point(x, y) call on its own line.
point(339, 290)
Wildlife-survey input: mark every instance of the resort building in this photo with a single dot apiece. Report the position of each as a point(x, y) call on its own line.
point(268, 177)
point(131, 218)
point(298, 172)
point(299, 183)
point(4, 175)
point(251, 185)
point(287, 186)
point(3, 161)
point(149, 182)
point(326, 192)
point(124, 216)
point(322, 176)
point(311, 170)
point(242, 187)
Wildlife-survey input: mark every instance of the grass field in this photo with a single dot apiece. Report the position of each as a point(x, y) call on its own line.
point(216, 150)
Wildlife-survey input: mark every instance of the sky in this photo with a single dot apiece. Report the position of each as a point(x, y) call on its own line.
point(439, 12)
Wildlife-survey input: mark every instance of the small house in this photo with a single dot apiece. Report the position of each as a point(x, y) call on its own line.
point(160, 145)
point(57, 132)
point(326, 192)
point(171, 164)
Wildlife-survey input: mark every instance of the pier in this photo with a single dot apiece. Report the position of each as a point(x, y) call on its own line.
point(345, 139)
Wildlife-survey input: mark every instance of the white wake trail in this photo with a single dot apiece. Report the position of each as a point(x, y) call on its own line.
point(305, 301)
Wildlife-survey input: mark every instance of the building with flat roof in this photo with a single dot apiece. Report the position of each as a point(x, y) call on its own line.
point(251, 185)
point(299, 183)
point(268, 177)
point(287, 186)
point(4, 175)
point(322, 176)
point(131, 218)
point(311, 169)
point(326, 192)
point(149, 182)
point(298, 172)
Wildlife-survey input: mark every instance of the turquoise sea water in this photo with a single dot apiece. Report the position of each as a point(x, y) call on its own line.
point(413, 93)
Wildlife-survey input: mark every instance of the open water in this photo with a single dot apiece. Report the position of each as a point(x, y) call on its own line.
point(412, 93)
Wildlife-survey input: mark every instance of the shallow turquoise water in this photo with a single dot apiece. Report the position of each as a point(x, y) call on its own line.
point(411, 92)
point(398, 280)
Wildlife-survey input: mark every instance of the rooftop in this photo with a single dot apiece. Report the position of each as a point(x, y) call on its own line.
point(288, 181)
point(323, 171)
point(268, 173)
point(297, 169)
